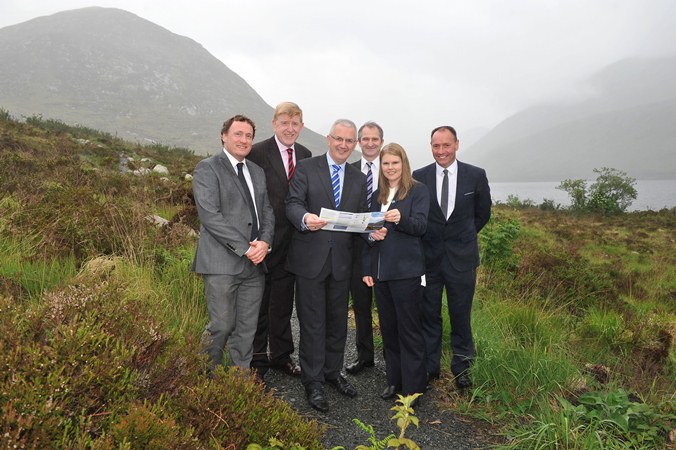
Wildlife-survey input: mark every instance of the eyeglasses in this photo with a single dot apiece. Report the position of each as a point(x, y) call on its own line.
point(340, 140)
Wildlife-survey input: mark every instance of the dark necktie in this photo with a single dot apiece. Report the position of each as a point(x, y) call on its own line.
point(249, 200)
point(369, 184)
point(289, 152)
point(444, 195)
point(335, 182)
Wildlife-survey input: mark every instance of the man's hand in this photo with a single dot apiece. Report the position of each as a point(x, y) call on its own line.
point(313, 222)
point(379, 235)
point(258, 250)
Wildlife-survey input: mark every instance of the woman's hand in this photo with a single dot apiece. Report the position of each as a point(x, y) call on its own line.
point(368, 281)
point(393, 215)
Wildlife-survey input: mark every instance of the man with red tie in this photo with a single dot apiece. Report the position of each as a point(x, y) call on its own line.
point(278, 156)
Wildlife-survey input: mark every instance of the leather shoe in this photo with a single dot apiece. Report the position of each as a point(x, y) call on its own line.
point(463, 381)
point(343, 386)
point(289, 368)
point(432, 376)
point(315, 397)
point(358, 366)
point(390, 392)
point(416, 402)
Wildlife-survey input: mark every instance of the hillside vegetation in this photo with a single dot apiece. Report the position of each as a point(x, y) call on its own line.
point(574, 316)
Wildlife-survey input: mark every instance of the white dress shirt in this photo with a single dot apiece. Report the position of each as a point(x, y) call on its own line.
point(452, 185)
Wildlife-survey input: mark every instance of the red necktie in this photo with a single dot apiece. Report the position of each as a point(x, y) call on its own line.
point(289, 152)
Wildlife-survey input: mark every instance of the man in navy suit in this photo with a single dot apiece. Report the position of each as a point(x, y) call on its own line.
point(322, 260)
point(460, 205)
point(278, 156)
point(371, 141)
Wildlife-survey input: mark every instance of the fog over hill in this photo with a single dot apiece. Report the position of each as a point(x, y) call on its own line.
point(111, 70)
point(627, 121)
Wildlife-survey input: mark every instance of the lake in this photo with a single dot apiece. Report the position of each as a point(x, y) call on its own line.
point(652, 194)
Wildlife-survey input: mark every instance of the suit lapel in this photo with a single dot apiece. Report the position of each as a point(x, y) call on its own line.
point(275, 158)
point(225, 163)
point(325, 179)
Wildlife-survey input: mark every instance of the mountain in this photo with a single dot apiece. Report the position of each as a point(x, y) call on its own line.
point(628, 123)
point(108, 69)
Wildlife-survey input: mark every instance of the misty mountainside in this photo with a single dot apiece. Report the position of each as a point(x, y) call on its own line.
point(111, 70)
point(627, 122)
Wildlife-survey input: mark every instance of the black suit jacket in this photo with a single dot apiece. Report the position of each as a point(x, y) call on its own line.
point(310, 191)
point(400, 254)
point(456, 236)
point(267, 155)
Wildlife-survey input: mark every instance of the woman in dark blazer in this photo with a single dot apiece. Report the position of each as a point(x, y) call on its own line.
point(394, 263)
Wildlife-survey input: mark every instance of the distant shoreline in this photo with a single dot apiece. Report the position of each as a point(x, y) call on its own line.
point(652, 194)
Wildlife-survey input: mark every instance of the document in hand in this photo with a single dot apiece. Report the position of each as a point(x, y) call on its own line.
point(352, 222)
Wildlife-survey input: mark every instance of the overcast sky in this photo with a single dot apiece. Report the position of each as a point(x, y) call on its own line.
point(408, 65)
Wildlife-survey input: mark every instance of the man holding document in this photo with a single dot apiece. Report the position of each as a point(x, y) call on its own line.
point(322, 260)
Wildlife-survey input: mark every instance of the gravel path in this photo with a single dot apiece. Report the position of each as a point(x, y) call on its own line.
point(439, 429)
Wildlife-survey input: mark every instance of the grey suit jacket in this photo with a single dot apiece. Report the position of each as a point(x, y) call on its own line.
point(310, 191)
point(456, 236)
point(266, 155)
point(225, 219)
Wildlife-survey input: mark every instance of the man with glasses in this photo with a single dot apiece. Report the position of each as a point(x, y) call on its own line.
point(322, 260)
point(460, 205)
point(236, 227)
point(370, 141)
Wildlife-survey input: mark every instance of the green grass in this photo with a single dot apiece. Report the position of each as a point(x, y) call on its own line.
point(574, 318)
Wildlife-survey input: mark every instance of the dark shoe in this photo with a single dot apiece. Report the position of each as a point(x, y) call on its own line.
point(390, 392)
point(432, 376)
point(463, 381)
point(315, 397)
point(416, 402)
point(343, 386)
point(289, 368)
point(358, 366)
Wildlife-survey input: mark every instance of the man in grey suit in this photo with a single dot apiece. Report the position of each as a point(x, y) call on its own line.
point(460, 205)
point(322, 260)
point(236, 229)
point(278, 156)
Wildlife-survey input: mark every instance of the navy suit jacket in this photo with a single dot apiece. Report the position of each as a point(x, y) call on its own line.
point(400, 255)
point(456, 236)
point(310, 191)
point(267, 155)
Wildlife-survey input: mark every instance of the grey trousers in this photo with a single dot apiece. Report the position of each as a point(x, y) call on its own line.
point(233, 303)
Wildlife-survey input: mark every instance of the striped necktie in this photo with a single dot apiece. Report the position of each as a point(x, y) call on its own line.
point(289, 152)
point(369, 184)
point(335, 181)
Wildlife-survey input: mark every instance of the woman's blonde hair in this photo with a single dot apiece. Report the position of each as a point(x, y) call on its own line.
point(405, 184)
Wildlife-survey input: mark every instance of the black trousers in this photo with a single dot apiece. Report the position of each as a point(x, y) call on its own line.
point(400, 313)
point(321, 303)
point(362, 305)
point(274, 320)
point(460, 287)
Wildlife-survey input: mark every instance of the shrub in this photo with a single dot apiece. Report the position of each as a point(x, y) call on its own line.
point(611, 193)
point(497, 241)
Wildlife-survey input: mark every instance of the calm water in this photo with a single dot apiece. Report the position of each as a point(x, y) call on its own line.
point(652, 194)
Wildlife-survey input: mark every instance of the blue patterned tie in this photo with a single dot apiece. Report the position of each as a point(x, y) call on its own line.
point(335, 181)
point(369, 184)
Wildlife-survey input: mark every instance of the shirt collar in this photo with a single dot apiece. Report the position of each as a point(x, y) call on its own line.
point(333, 163)
point(282, 147)
point(233, 160)
point(452, 169)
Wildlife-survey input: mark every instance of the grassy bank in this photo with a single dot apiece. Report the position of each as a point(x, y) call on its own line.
point(574, 315)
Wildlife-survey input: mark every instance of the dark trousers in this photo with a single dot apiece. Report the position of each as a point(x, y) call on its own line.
point(460, 288)
point(321, 303)
point(362, 305)
point(274, 320)
point(400, 314)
